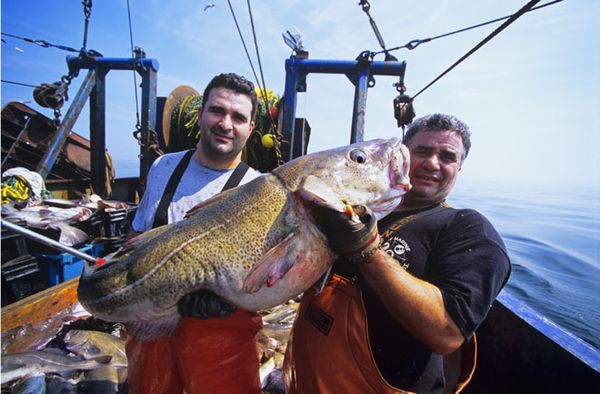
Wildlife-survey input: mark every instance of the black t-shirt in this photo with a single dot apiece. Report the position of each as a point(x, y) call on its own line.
point(460, 252)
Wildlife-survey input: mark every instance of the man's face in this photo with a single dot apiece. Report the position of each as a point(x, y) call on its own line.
point(435, 160)
point(225, 123)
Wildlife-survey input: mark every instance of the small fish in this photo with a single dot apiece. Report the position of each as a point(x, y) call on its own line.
point(29, 338)
point(280, 313)
point(18, 365)
point(257, 245)
point(91, 344)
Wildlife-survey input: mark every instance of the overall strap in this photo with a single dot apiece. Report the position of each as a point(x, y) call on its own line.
point(236, 176)
point(160, 217)
point(395, 226)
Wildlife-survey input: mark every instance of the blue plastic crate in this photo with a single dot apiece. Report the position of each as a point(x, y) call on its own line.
point(61, 267)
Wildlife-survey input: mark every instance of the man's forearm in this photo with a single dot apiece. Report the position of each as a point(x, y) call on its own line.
point(416, 305)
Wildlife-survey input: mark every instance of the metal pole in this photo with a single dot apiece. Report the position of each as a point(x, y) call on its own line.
point(64, 129)
point(360, 106)
point(48, 241)
point(148, 125)
point(289, 111)
point(98, 133)
point(76, 63)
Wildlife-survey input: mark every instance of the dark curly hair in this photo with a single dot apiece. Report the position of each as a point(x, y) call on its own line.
point(440, 122)
point(235, 82)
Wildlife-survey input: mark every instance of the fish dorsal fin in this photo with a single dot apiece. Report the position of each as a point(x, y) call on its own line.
point(272, 266)
point(315, 190)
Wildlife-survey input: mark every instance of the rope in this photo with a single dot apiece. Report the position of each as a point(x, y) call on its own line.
point(513, 17)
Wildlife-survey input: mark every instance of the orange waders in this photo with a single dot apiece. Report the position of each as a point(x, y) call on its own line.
point(329, 349)
point(203, 356)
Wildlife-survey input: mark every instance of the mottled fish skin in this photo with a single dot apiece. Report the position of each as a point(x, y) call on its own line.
point(256, 245)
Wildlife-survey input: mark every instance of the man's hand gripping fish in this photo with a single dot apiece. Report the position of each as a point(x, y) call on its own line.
point(256, 245)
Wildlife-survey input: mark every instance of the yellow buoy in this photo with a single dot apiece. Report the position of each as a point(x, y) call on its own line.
point(268, 141)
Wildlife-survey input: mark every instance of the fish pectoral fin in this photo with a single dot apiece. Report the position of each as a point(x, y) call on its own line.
point(316, 191)
point(272, 266)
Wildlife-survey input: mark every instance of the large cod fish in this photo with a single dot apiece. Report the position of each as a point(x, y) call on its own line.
point(256, 245)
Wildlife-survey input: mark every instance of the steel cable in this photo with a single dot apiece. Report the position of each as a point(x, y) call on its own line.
point(527, 7)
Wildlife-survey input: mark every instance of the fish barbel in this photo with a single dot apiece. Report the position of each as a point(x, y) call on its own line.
point(256, 245)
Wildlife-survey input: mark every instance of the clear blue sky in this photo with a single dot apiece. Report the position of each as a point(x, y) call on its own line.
point(531, 95)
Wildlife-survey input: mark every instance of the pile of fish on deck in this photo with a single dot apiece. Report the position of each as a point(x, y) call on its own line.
point(73, 352)
point(76, 353)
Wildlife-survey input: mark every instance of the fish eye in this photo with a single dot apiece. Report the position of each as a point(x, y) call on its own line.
point(358, 156)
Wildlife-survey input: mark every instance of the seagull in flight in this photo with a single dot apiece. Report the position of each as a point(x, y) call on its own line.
point(206, 7)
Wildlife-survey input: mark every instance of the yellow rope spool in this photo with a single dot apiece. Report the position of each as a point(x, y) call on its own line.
point(180, 119)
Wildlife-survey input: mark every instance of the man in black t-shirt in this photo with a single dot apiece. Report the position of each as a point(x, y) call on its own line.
point(425, 287)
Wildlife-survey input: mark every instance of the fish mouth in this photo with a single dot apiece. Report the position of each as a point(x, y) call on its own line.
point(382, 207)
point(398, 169)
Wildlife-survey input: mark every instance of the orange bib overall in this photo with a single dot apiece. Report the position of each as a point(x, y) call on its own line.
point(203, 356)
point(329, 351)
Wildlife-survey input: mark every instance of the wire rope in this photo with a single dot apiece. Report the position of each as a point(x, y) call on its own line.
point(416, 42)
point(137, 110)
point(513, 18)
point(18, 83)
point(42, 43)
point(243, 42)
point(260, 69)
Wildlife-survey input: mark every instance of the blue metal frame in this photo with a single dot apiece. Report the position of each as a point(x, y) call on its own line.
point(99, 67)
point(360, 73)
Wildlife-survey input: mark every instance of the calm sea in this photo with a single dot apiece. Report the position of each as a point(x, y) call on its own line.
point(553, 238)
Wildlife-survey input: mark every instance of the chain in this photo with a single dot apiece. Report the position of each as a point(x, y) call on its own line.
point(54, 95)
point(87, 12)
point(63, 92)
point(366, 7)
